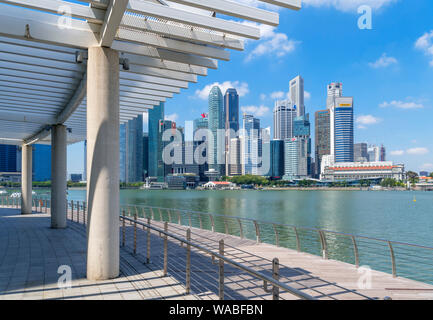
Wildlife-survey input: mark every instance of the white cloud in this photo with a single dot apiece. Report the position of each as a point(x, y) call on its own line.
point(417, 151)
point(401, 105)
point(307, 95)
point(365, 120)
point(271, 42)
point(277, 95)
point(262, 96)
point(425, 44)
point(172, 117)
point(383, 62)
point(241, 88)
point(397, 152)
point(258, 111)
point(348, 5)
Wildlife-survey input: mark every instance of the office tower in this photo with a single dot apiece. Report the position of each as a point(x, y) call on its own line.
point(131, 150)
point(284, 114)
point(231, 121)
point(235, 168)
point(382, 153)
point(373, 153)
point(335, 90)
point(276, 170)
point(8, 158)
point(322, 136)
point(156, 166)
point(85, 161)
point(145, 154)
point(360, 152)
point(216, 124)
point(250, 138)
point(41, 162)
point(297, 95)
point(167, 168)
point(301, 129)
point(201, 123)
point(296, 158)
point(342, 129)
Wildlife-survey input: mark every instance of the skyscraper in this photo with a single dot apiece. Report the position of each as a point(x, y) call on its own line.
point(296, 158)
point(302, 129)
point(322, 136)
point(335, 90)
point(131, 150)
point(342, 119)
point(284, 114)
point(216, 123)
point(156, 166)
point(297, 95)
point(382, 153)
point(276, 159)
point(235, 157)
point(231, 120)
point(145, 154)
point(8, 158)
point(251, 135)
point(360, 152)
point(41, 162)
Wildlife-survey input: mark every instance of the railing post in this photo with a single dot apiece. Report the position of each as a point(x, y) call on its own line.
point(135, 233)
point(221, 270)
point(84, 212)
point(165, 248)
point(276, 276)
point(394, 268)
point(169, 215)
point(212, 222)
point(188, 261)
point(241, 230)
point(72, 210)
point(152, 214)
point(123, 228)
point(277, 239)
point(256, 225)
point(148, 241)
point(323, 244)
point(355, 251)
point(160, 215)
point(78, 211)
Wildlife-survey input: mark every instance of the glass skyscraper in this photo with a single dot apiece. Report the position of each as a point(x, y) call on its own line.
point(41, 162)
point(276, 159)
point(131, 150)
point(284, 114)
point(343, 129)
point(216, 122)
point(156, 168)
point(323, 136)
point(231, 110)
point(8, 158)
point(251, 143)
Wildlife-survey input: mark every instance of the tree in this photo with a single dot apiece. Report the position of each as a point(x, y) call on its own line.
point(412, 177)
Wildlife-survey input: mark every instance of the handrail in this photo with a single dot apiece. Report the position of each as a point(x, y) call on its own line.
point(238, 265)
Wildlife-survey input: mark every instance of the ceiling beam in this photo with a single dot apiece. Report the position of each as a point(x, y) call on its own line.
point(113, 17)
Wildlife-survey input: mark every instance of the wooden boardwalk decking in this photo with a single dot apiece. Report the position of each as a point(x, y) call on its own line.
point(33, 252)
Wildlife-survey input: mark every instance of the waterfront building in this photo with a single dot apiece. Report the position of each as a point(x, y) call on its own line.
point(382, 153)
point(360, 151)
point(424, 174)
point(322, 136)
point(235, 167)
point(297, 95)
point(201, 123)
point(167, 168)
point(155, 163)
point(347, 171)
point(75, 177)
point(231, 122)
point(41, 162)
point(284, 114)
point(8, 158)
point(131, 150)
point(373, 153)
point(276, 170)
point(342, 135)
point(216, 152)
point(251, 135)
point(296, 163)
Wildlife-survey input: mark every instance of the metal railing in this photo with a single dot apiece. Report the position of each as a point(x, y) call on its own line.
point(394, 257)
point(397, 258)
point(222, 259)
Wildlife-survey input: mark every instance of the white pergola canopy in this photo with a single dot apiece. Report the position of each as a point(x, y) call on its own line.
point(163, 45)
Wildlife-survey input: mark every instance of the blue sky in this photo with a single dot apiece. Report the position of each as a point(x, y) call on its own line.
point(388, 70)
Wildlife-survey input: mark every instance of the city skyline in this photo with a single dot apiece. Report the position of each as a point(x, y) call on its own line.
point(387, 99)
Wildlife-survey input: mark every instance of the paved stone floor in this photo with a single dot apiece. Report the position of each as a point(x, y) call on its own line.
point(31, 253)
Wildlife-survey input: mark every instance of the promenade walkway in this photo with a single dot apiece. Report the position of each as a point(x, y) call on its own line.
point(31, 253)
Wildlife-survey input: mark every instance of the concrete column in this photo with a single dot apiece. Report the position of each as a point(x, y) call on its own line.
point(58, 177)
point(26, 179)
point(103, 163)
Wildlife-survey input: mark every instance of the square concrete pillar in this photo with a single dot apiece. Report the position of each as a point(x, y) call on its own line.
point(58, 176)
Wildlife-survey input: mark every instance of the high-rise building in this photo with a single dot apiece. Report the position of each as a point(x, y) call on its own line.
point(297, 95)
point(342, 129)
point(235, 168)
point(284, 114)
point(322, 136)
point(251, 135)
point(360, 151)
point(167, 168)
point(302, 129)
point(156, 165)
point(131, 150)
point(41, 162)
point(201, 123)
point(276, 170)
point(335, 90)
point(8, 158)
point(382, 153)
point(216, 152)
point(376, 153)
point(296, 165)
point(231, 110)
point(145, 155)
